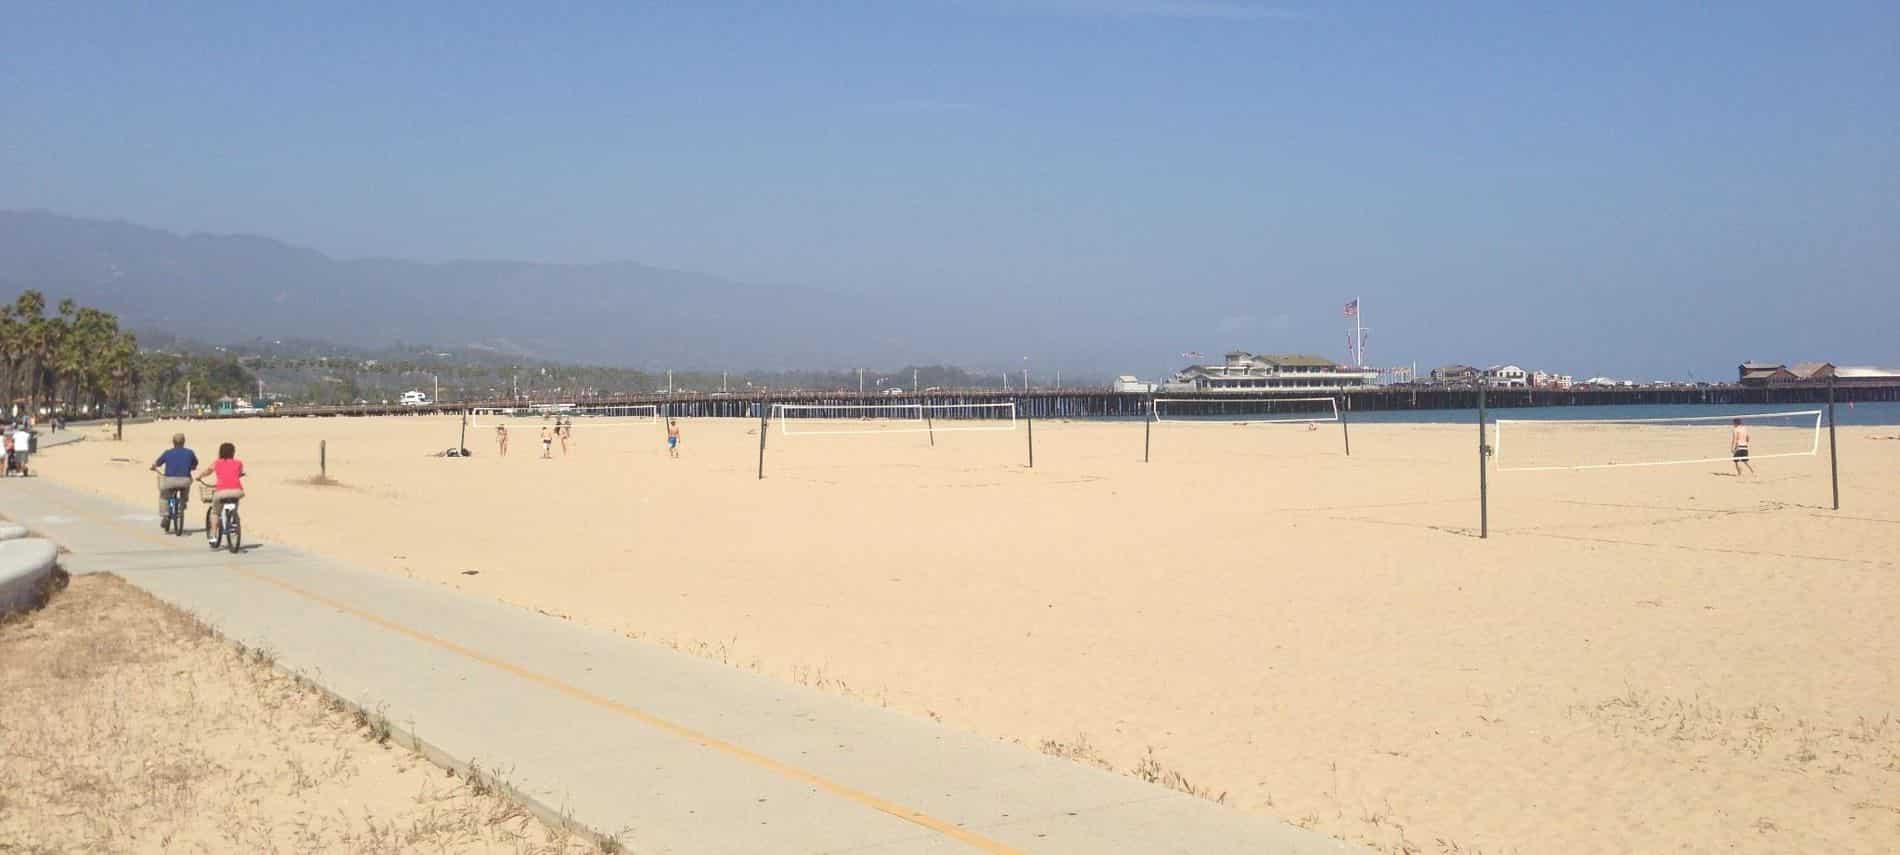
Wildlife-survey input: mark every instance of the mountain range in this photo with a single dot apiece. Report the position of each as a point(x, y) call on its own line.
point(227, 288)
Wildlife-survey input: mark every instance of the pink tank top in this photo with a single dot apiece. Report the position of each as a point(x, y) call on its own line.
point(229, 472)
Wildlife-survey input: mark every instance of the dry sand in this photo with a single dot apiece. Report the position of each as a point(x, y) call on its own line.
point(1638, 660)
point(125, 726)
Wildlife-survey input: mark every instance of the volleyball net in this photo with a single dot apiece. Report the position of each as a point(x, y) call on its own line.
point(1222, 411)
point(591, 415)
point(1545, 445)
point(869, 419)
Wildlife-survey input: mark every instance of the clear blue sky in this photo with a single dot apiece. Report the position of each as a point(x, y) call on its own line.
point(1633, 188)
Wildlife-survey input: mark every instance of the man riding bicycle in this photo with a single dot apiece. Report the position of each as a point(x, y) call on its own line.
point(174, 467)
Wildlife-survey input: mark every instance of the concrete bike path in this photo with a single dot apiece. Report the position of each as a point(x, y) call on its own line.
point(674, 753)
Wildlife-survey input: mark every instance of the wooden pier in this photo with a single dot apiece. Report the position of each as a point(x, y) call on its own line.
point(1086, 403)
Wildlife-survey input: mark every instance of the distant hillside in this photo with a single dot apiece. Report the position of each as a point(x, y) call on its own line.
point(238, 288)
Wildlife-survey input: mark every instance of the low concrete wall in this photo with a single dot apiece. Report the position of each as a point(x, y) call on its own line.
point(26, 568)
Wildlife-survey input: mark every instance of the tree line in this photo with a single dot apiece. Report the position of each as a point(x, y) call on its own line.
point(76, 360)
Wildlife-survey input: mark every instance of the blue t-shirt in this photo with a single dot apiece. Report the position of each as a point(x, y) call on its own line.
point(178, 462)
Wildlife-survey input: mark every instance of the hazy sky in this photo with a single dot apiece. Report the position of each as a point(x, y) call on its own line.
point(1637, 188)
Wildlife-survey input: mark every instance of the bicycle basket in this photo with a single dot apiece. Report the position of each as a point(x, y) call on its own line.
point(206, 491)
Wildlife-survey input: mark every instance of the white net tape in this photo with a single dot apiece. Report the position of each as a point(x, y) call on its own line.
point(1222, 411)
point(850, 419)
point(1545, 445)
point(592, 415)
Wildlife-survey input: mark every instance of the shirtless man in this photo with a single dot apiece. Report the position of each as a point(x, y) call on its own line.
point(1738, 448)
point(501, 439)
point(673, 439)
point(547, 442)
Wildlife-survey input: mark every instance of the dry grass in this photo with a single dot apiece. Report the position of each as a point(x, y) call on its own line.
point(131, 727)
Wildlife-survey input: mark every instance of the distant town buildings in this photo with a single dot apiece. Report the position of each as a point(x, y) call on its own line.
point(1241, 371)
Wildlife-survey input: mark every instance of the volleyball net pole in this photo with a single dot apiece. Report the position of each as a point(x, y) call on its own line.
point(764, 428)
point(1345, 406)
point(1484, 487)
point(1833, 460)
point(1147, 427)
point(1029, 420)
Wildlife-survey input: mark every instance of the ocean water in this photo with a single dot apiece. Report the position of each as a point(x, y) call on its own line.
point(1871, 413)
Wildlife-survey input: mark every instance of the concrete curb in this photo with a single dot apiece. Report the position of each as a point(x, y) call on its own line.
point(26, 573)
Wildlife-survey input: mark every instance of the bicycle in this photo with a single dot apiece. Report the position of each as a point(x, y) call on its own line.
point(221, 519)
point(175, 500)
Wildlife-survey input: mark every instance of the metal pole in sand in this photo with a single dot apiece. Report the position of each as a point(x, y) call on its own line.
point(1833, 461)
point(1147, 427)
point(464, 442)
point(1484, 489)
point(929, 425)
point(1345, 406)
point(1030, 416)
point(323, 458)
point(763, 427)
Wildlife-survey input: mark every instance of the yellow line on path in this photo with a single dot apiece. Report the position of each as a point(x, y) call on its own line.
point(910, 815)
point(906, 814)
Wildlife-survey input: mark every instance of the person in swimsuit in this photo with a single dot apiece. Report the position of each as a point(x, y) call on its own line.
point(565, 431)
point(501, 439)
point(547, 442)
point(1738, 447)
point(673, 439)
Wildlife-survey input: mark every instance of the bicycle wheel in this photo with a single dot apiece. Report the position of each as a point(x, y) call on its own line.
point(233, 531)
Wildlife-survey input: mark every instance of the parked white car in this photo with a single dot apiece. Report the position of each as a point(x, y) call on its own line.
point(414, 398)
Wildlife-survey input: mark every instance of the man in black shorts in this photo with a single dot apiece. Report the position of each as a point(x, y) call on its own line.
point(1738, 448)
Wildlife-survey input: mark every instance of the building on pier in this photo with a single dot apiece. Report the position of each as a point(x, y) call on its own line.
point(1131, 383)
point(1775, 374)
point(1454, 375)
point(1506, 377)
point(1243, 372)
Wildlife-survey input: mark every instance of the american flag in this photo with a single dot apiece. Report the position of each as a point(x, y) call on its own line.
point(1352, 307)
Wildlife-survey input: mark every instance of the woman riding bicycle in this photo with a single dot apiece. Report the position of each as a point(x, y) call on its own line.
point(230, 481)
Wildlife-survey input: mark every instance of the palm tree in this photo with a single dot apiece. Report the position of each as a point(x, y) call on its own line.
point(30, 311)
point(12, 351)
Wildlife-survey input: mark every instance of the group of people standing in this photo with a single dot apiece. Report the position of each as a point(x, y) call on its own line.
point(563, 430)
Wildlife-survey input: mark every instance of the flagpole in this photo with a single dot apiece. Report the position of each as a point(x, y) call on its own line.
point(1358, 331)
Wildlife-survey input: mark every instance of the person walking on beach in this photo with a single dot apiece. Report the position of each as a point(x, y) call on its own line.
point(1738, 448)
point(672, 439)
point(565, 430)
point(501, 439)
point(547, 443)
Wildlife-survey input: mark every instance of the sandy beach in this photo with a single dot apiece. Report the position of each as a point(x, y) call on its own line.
point(1666, 658)
point(131, 727)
